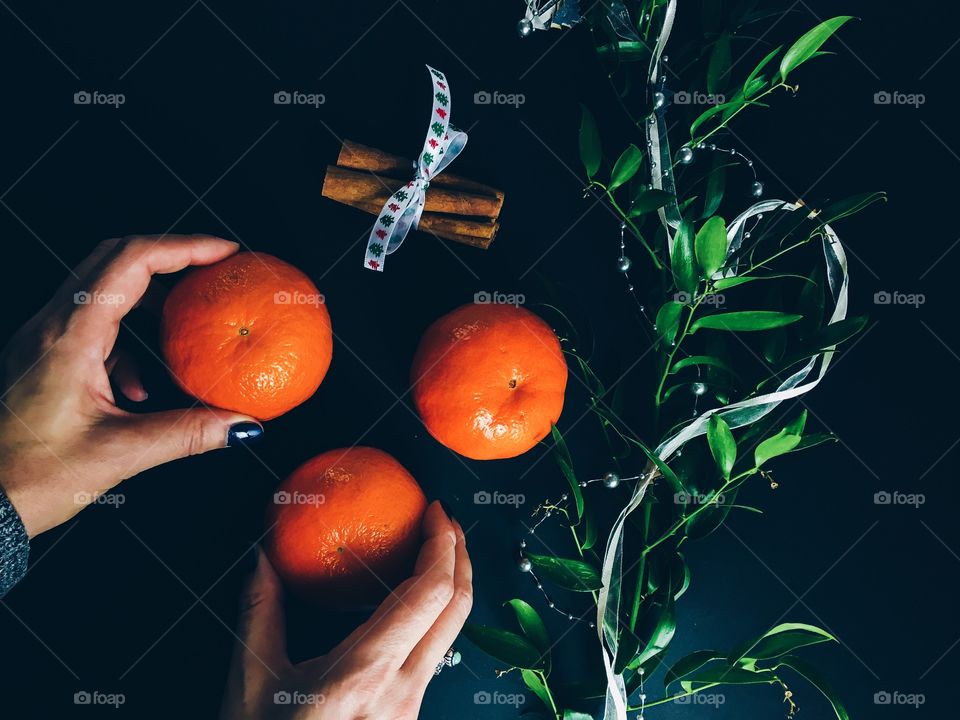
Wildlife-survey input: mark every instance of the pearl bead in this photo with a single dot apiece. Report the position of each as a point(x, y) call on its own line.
point(698, 388)
point(630, 289)
point(563, 497)
point(582, 483)
point(658, 100)
point(551, 604)
point(685, 155)
point(756, 189)
point(524, 27)
point(525, 565)
point(623, 264)
point(611, 479)
point(569, 616)
point(523, 543)
point(711, 146)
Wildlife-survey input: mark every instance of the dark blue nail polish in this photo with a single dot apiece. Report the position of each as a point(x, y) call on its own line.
point(244, 433)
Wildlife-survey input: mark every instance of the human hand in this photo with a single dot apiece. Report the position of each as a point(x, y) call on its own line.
point(63, 440)
point(381, 669)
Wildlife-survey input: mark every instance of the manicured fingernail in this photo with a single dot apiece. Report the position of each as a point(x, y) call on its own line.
point(244, 433)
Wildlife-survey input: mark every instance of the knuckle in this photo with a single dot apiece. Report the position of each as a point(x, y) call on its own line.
point(441, 593)
point(463, 600)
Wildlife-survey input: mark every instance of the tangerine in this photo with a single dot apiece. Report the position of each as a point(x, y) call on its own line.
point(250, 333)
point(345, 526)
point(488, 380)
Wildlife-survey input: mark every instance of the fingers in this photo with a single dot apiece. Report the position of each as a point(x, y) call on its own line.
point(118, 284)
point(123, 370)
point(139, 442)
point(400, 623)
point(422, 663)
point(260, 654)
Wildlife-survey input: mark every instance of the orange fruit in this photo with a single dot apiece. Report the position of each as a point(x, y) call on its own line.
point(346, 524)
point(250, 333)
point(488, 380)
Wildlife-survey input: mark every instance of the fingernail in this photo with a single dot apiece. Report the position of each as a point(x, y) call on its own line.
point(244, 433)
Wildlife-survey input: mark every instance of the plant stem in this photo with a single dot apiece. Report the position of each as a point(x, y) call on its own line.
point(676, 347)
point(736, 112)
point(636, 232)
point(553, 704)
point(684, 520)
point(641, 569)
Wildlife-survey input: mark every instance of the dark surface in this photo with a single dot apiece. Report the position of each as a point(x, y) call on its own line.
point(141, 599)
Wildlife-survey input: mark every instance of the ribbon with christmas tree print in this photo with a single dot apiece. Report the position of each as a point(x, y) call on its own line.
point(403, 209)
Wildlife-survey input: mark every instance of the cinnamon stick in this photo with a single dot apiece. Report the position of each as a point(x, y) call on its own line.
point(346, 186)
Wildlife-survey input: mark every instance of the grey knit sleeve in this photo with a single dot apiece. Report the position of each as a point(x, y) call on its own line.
point(14, 546)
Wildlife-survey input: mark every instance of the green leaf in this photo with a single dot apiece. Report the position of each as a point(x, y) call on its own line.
point(661, 633)
point(574, 715)
point(710, 246)
point(716, 185)
point(848, 206)
point(688, 664)
point(814, 439)
point(590, 531)
point(626, 167)
point(665, 470)
point(682, 261)
point(570, 574)
point(759, 68)
point(647, 200)
point(828, 336)
point(680, 575)
point(531, 624)
point(722, 445)
point(727, 676)
point(668, 320)
point(774, 345)
point(812, 675)
point(562, 455)
point(731, 282)
point(706, 115)
point(590, 152)
point(505, 646)
point(811, 302)
point(719, 64)
point(808, 44)
point(780, 640)
point(744, 321)
point(533, 681)
point(795, 426)
point(780, 444)
point(701, 360)
point(628, 645)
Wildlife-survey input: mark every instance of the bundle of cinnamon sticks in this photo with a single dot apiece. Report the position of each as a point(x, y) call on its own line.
point(454, 209)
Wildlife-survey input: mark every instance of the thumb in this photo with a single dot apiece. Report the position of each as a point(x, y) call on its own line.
point(260, 655)
point(152, 439)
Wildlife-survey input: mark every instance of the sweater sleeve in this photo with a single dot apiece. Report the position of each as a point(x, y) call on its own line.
point(14, 546)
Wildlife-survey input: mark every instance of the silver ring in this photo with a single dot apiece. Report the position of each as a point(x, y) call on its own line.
point(450, 658)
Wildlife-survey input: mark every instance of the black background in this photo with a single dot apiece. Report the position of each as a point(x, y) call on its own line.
point(111, 600)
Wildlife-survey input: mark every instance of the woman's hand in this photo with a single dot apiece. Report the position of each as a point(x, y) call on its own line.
point(63, 440)
point(381, 669)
